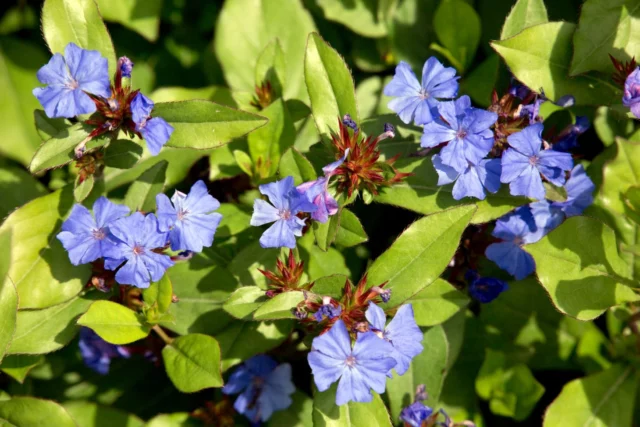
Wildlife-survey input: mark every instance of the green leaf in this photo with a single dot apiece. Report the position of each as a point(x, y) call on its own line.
point(268, 144)
point(294, 163)
point(246, 263)
point(244, 162)
point(610, 124)
point(90, 414)
point(330, 86)
point(428, 368)
point(318, 262)
point(539, 57)
point(17, 366)
point(279, 307)
point(271, 67)
point(327, 414)
point(114, 322)
point(512, 391)
point(350, 230)
point(244, 302)
point(177, 419)
point(77, 21)
point(460, 39)
point(603, 399)
point(203, 124)
point(29, 411)
point(17, 188)
point(83, 189)
point(240, 340)
point(579, 266)
point(122, 154)
point(437, 303)
point(141, 196)
point(421, 193)
point(371, 100)
point(330, 285)
point(8, 296)
point(244, 29)
point(327, 232)
point(524, 14)
point(193, 362)
point(59, 149)
point(40, 267)
point(46, 127)
point(418, 257)
point(299, 414)
point(137, 15)
point(364, 17)
point(411, 31)
point(19, 62)
point(481, 81)
point(159, 294)
point(605, 27)
point(49, 329)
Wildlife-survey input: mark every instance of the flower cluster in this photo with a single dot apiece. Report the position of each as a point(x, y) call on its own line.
point(420, 415)
point(263, 387)
point(365, 365)
point(78, 83)
point(134, 246)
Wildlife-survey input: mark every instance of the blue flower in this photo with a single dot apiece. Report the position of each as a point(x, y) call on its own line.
point(136, 237)
point(287, 203)
point(317, 192)
point(97, 353)
point(349, 122)
point(568, 139)
point(402, 333)
point(155, 131)
point(263, 385)
point(467, 131)
point(515, 229)
point(415, 101)
point(327, 310)
point(580, 190)
point(86, 238)
point(68, 77)
point(631, 97)
point(190, 220)
point(523, 163)
point(415, 414)
point(485, 289)
point(473, 180)
point(125, 65)
point(359, 369)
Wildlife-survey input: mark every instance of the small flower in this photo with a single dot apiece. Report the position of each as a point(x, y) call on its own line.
point(568, 138)
point(580, 190)
point(125, 65)
point(328, 310)
point(485, 289)
point(523, 163)
point(317, 192)
point(97, 353)
point(415, 414)
point(68, 77)
point(190, 220)
point(86, 237)
point(263, 387)
point(155, 131)
point(473, 180)
point(467, 131)
point(402, 333)
point(287, 203)
point(515, 229)
point(136, 238)
point(631, 97)
point(349, 122)
point(415, 101)
point(359, 369)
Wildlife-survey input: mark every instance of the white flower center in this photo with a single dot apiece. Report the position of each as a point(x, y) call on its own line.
point(424, 94)
point(285, 214)
point(98, 234)
point(182, 214)
point(350, 361)
point(138, 250)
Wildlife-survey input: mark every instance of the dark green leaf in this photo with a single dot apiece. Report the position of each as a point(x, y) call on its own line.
point(18, 366)
point(457, 26)
point(48, 128)
point(17, 188)
point(122, 154)
point(141, 196)
point(89, 414)
point(294, 163)
point(364, 17)
point(137, 15)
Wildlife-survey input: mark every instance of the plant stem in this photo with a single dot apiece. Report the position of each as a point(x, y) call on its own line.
point(162, 334)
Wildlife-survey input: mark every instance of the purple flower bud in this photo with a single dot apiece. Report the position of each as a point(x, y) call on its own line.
point(299, 313)
point(415, 414)
point(385, 294)
point(631, 97)
point(348, 122)
point(126, 66)
point(421, 393)
point(327, 310)
point(183, 256)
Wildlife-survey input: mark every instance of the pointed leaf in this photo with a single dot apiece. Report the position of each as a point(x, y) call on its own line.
point(193, 362)
point(524, 14)
point(279, 307)
point(29, 411)
point(114, 323)
point(294, 163)
point(141, 196)
point(17, 366)
point(461, 39)
point(245, 301)
point(437, 303)
point(350, 230)
point(137, 15)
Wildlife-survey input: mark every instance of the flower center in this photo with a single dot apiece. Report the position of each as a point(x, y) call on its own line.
point(98, 234)
point(138, 250)
point(285, 214)
point(72, 84)
point(533, 160)
point(461, 134)
point(424, 94)
point(182, 214)
point(518, 241)
point(351, 361)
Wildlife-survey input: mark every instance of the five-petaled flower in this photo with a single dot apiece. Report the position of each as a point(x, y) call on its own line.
point(287, 202)
point(525, 160)
point(86, 237)
point(484, 289)
point(402, 333)
point(69, 78)
point(359, 369)
point(137, 238)
point(417, 101)
point(263, 387)
point(190, 220)
point(473, 180)
point(155, 130)
point(466, 130)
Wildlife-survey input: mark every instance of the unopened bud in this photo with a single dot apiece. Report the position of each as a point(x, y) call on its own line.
point(421, 393)
point(299, 313)
point(348, 122)
point(385, 294)
point(389, 132)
